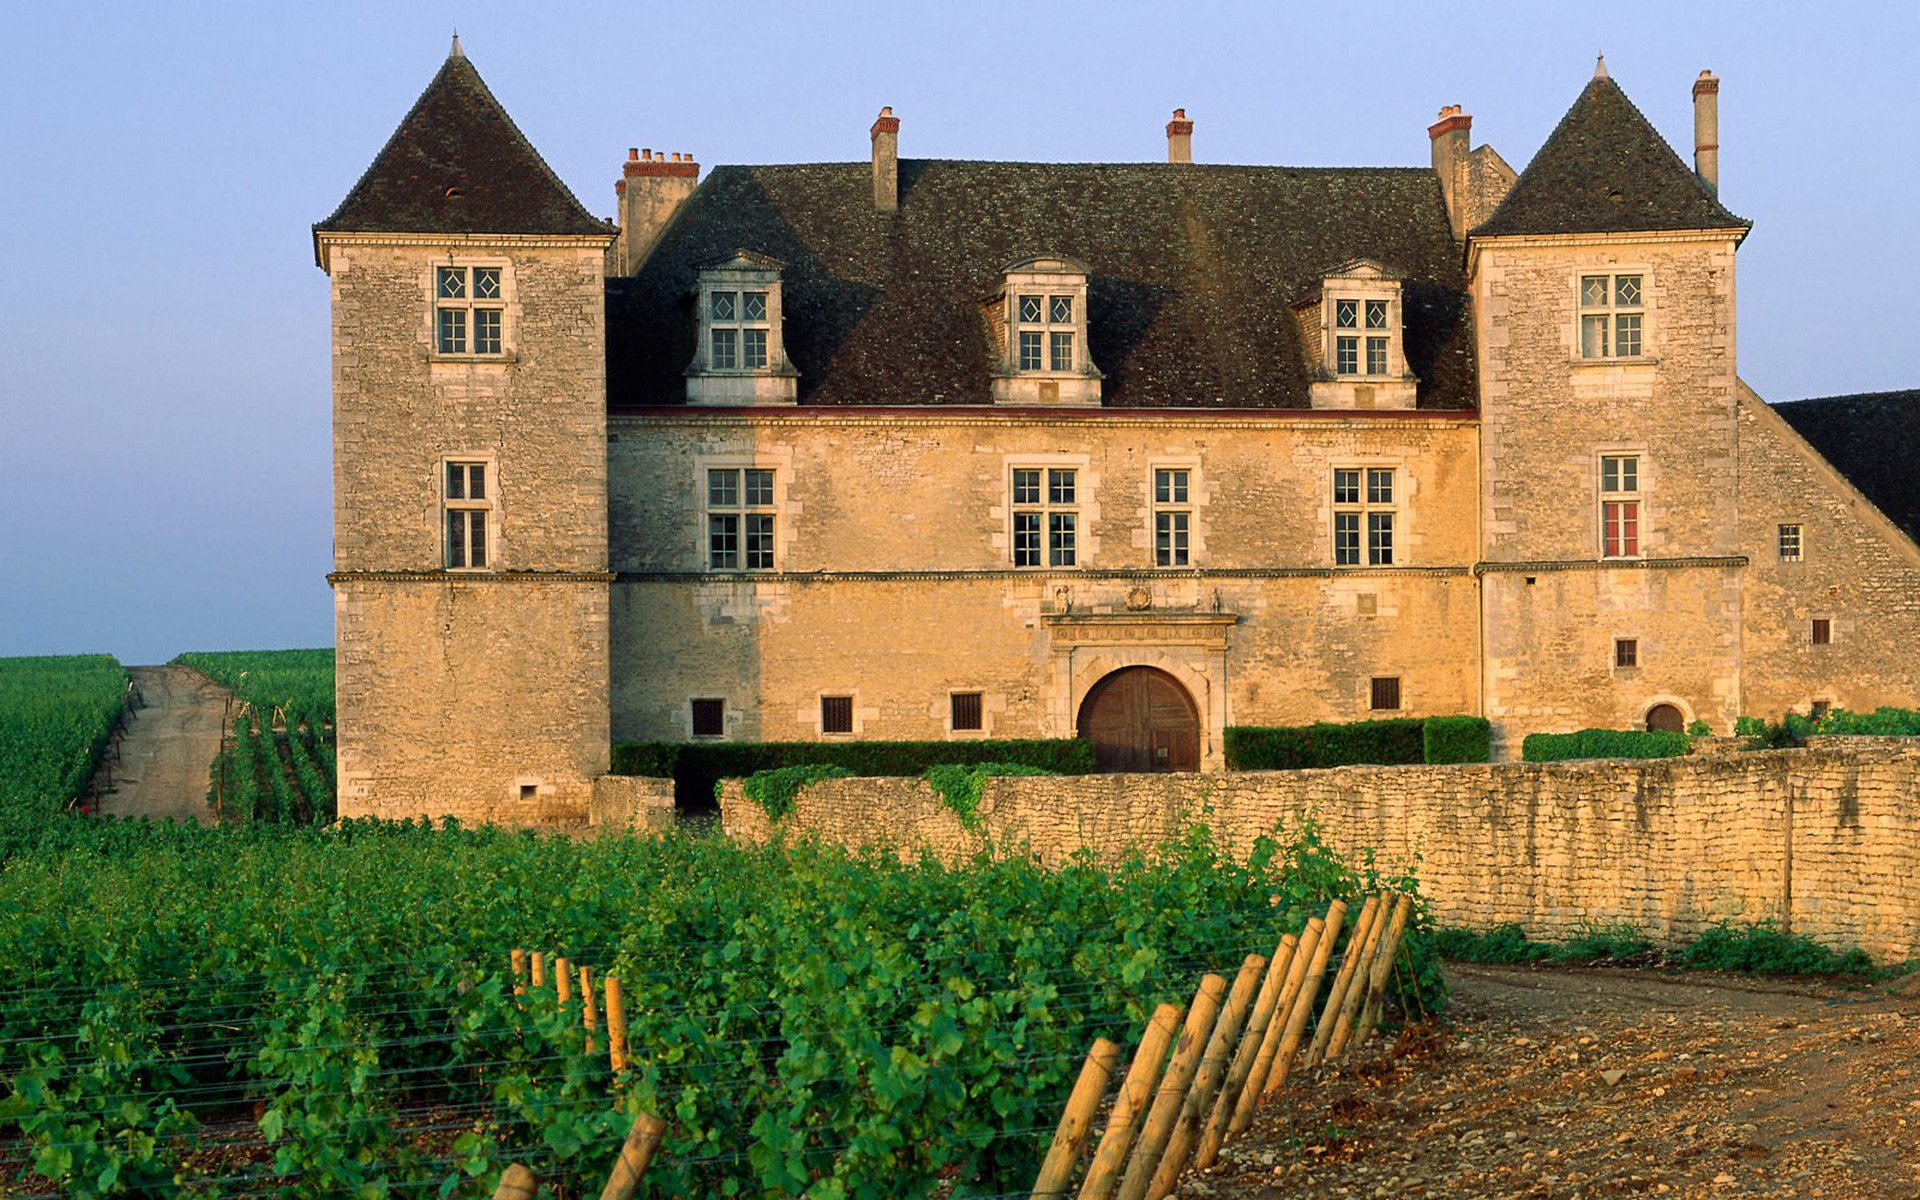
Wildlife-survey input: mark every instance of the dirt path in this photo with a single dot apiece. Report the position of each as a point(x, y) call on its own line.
point(168, 746)
point(1727, 1088)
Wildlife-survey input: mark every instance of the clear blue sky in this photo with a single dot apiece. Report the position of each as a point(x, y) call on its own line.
point(163, 331)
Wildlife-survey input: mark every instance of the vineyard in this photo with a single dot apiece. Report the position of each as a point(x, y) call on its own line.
point(270, 1008)
point(277, 764)
point(56, 715)
point(249, 1008)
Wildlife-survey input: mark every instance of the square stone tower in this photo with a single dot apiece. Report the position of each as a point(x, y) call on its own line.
point(1603, 302)
point(470, 472)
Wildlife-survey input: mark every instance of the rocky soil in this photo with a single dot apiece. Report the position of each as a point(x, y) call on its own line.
point(1600, 1083)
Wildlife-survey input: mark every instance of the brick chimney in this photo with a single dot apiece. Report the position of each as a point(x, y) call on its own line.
point(651, 189)
point(886, 161)
point(1706, 130)
point(1179, 138)
point(1452, 137)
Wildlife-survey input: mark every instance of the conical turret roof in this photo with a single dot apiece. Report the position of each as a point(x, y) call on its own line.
point(458, 164)
point(1605, 169)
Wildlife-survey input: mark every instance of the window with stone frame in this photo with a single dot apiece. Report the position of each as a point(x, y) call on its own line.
point(741, 515)
point(1626, 652)
point(1045, 516)
point(469, 311)
point(965, 712)
point(709, 717)
point(1039, 320)
point(1365, 511)
point(1384, 693)
point(467, 505)
point(1822, 631)
point(741, 355)
point(1620, 506)
point(1791, 542)
point(836, 714)
point(1612, 316)
point(1172, 510)
point(1362, 336)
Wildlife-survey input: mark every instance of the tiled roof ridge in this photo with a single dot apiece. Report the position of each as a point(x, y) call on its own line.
point(457, 60)
point(1600, 83)
point(1140, 165)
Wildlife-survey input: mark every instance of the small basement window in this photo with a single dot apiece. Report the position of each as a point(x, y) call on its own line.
point(1626, 652)
point(1386, 692)
point(529, 790)
point(709, 718)
point(1820, 708)
point(836, 714)
point(966, 711)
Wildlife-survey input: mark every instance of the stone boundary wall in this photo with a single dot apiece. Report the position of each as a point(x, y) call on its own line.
point(1824, 840)
point(631, 802)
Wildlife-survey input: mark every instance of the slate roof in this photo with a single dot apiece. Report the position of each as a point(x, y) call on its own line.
point(1605, 169)
point(458, 164)
point(1874, 440)
point(1193, 269)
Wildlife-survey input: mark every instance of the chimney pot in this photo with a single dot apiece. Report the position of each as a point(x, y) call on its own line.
point(886, 160)
point(1179, 138)
point(1706, 130)
point(632, 153)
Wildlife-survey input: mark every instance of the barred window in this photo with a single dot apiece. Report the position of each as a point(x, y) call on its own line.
point(966, 711)
point(1385, 692)
point(836, 714)
point(709, 718)
point(1626, 652)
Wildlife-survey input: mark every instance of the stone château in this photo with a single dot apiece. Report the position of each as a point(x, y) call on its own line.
point(930, 449)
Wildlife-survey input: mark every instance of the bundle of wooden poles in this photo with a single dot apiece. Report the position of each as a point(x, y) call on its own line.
point(1236, 1047)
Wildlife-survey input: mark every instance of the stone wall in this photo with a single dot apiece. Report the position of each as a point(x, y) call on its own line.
point(631, 802)
point(1827, 840)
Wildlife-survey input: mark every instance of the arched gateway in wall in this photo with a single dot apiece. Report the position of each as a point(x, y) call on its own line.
point(1141, 719)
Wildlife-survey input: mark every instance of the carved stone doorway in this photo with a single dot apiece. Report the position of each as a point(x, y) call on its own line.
point(1141, 719)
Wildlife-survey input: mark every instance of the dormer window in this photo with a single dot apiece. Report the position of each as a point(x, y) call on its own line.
point(1351, 328)
point(1039, 320)
point(740, 357)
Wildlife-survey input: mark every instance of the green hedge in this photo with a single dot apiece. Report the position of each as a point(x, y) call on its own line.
point(1881, 722)
point(695, 767)
point(1603, 743)
point(1294, 747)
point(1458, 739)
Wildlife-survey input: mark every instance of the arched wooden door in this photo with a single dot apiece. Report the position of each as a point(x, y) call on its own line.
point(1665, 718)
point(1140, 719)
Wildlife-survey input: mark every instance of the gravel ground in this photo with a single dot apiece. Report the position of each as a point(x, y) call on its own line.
point(1598, 1083)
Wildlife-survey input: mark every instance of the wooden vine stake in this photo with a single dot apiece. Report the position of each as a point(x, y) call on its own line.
point(1257, 1021)
point(1173, 1088)
point(616, 1026)
point(1356, 991)
point(1382, 972)
point(1077, 1121)
point(1136, 1091)
point(1303, 1003)
point(519, 960)
point(516, 1183)
point(1213, 1068)
point(1349, 964)
point(539, 960)
point(589, 1016)
point(635, 1154)
point(1276, 1028)
point(562, 982)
